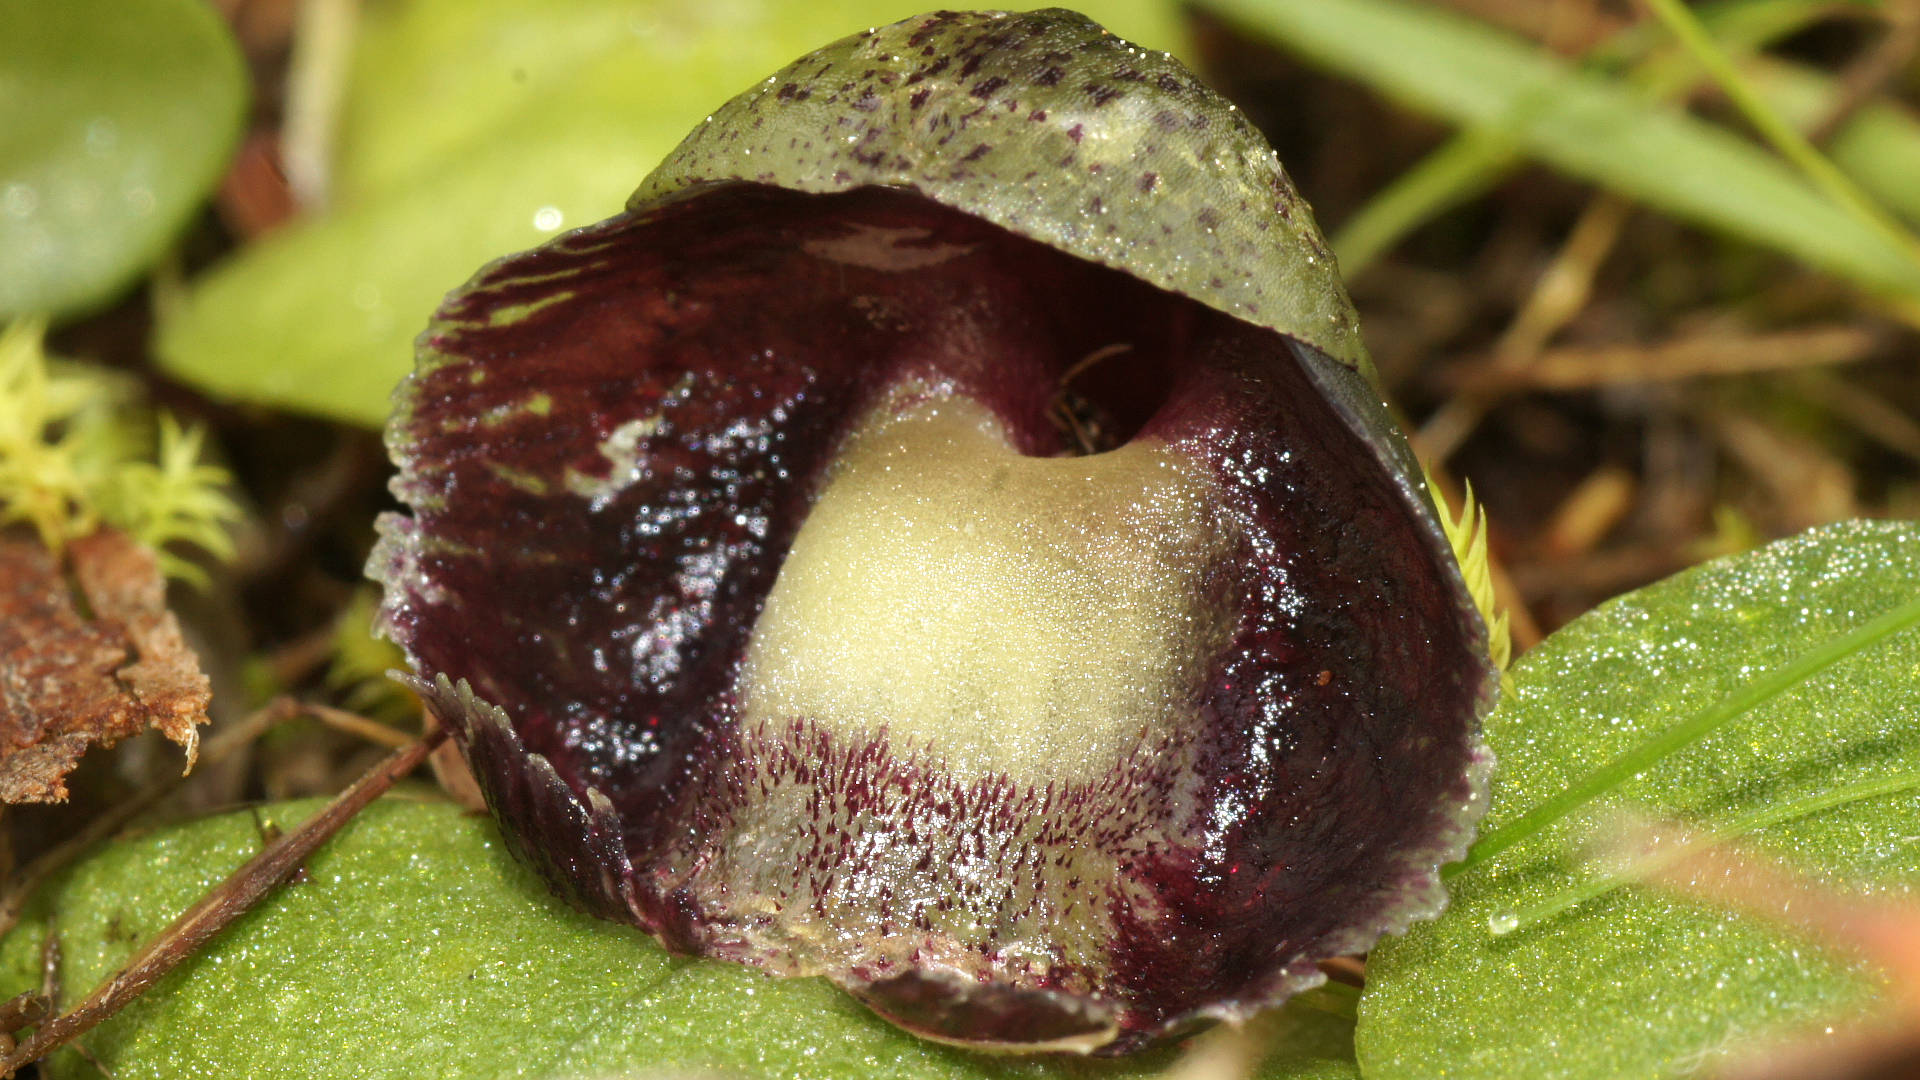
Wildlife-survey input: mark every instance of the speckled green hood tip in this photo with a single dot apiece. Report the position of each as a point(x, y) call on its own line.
point(1046, 125)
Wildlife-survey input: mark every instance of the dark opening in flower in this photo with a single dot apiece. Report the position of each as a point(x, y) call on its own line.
point(853, 584)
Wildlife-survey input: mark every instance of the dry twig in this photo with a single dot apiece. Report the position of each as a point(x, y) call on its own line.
point(14, 900)
point(1585, 368)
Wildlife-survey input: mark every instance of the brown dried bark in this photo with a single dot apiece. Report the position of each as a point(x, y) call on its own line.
point(89, 654)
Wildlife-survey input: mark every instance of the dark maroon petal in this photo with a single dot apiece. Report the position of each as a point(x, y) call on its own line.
point(572, 838)
point(954, 1009)
point(609, 447)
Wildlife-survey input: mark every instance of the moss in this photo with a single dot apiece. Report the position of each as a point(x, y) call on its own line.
point(79, 451)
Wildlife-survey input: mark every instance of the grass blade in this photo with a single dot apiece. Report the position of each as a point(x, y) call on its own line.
point(1789, 142)
point(1582, 123)
point(1879, 147)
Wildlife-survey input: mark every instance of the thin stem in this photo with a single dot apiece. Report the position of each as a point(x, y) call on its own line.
point(222, 905)
point(1561, 293)
point(316, 86)
point(13, 900)
point(358, 726)
point(1682, 23)
point(1741, 826)
point(1689, 731)
point(1867, 77)
point(1460, 169)
point(1345, 970)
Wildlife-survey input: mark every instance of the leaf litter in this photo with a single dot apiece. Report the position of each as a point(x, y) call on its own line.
point(89, 655)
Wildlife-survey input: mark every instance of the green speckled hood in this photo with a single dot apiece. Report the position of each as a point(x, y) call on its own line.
point(1048, 126)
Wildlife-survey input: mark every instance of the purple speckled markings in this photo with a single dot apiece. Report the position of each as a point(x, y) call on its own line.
point(609, 446)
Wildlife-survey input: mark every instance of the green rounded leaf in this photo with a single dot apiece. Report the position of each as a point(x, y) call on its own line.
point(1633, 982)
point(116, 119)
point(416, 947)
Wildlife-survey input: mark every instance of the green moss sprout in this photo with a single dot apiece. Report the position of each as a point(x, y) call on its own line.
point(79, 452)
point(1467, 533)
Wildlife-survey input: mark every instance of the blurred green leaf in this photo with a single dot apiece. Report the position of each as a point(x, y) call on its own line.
point(321, 317)
point(416, 947)
point(1879, 146)
point(476, 129)
point(116, 120)
point(1632, 982)
point(1594, 127)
